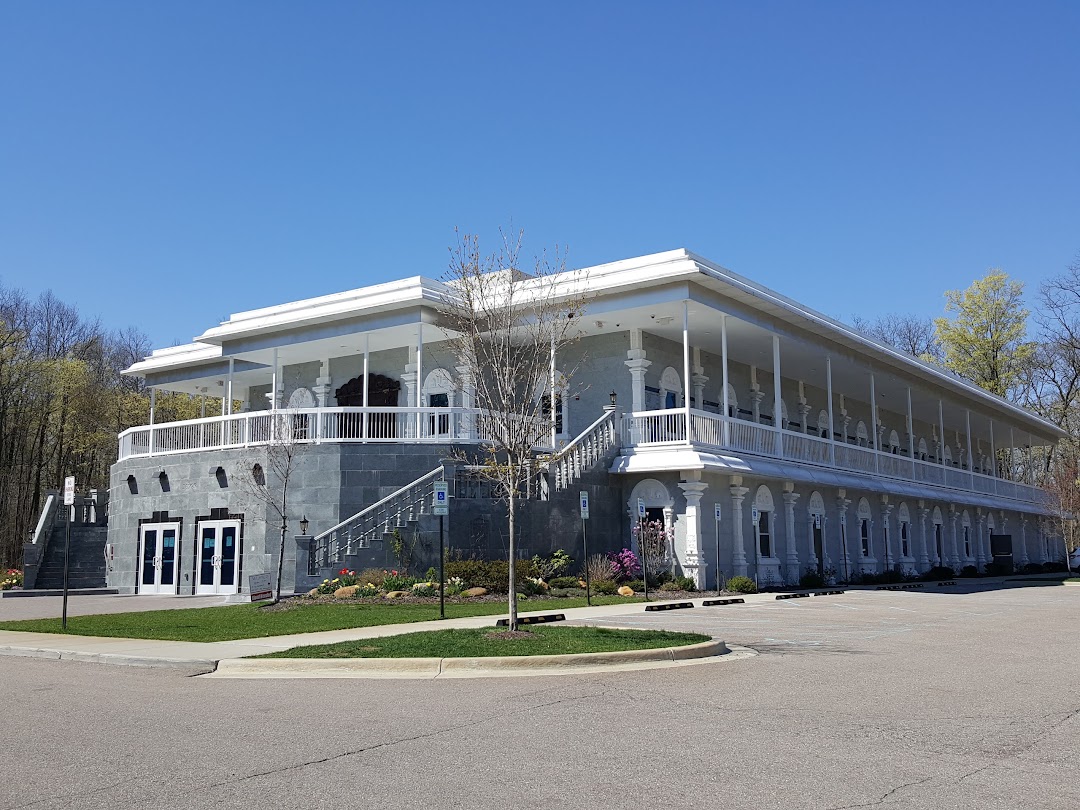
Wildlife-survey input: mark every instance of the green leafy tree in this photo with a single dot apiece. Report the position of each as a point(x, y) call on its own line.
point(983, 336)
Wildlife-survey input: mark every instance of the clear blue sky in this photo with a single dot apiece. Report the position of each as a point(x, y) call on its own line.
point(165, 163)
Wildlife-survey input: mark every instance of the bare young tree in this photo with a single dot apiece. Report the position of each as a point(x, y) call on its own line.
point(908, 333)
point(267, 472)
point(505, 326)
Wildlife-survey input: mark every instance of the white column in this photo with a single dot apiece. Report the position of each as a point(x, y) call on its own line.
point(229, 387)
point(993, 454)
point(419, 374)
point(323, 384)
point(686, 366)
point(980, 554)
point(924, 559)
point(911, 434)
point(776, 395)
point(941, 429)
point(1024, 559)
point(954, 518)
point(552, 414)
point(886, 534)
point(468, 400)
point(832, 433)
point(971, 458)
point(724, 381)
point(873, 423)
point(792, 561)
point(636, 362)
point(153, 406)
point(699, 380)
point(842, 503)
point(693, 562)
point(738, 547)
point(273, 395)
point(804, 409)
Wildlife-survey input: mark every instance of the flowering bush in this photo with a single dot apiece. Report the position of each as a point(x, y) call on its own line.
point(625, 564)
point(346, 577)
point(547, 568)
point(367, 589)
point(425, 589)
point(13, 578)
point(653, 538)
point(328, 586)
point(454, 586)
point(395, 581)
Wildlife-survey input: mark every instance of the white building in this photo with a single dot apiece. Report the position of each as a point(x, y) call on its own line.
point(743, 420)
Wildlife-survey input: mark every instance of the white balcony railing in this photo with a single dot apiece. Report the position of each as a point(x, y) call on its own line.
point(665, 428)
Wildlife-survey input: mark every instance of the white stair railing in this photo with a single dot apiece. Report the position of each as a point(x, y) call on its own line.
point(570, 463)
point(414, 499)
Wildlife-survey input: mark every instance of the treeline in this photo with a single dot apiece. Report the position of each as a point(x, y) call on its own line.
point(62, 403)
point(989, 335)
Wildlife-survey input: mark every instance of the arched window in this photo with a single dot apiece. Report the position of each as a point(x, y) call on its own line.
point(904, 518)
point(894, 442)
point(922, 450)
point(438, 392)
point(947, 452)
point(865, 517)
point(816, 513)
point(670, 388)
point(763, 500)
point(965, 521)
point(861, 436)
point(991, 527)
point(732, 402)
point(823, 424)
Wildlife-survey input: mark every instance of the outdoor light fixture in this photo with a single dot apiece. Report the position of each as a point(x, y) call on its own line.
point(613, 396)
point(303, 526)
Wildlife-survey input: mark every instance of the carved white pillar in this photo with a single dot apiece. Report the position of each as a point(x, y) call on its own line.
point(756, 395)
point(412, 389)
point(954, 518)
point(792, 561)
point(804, 414)
point(980, 558)
point(842, 541)
point(738, 547)
point(323, 385)
point(693, 561)
point(468, 401)
point(636, 362)
point(886, 533)
point(924, 559)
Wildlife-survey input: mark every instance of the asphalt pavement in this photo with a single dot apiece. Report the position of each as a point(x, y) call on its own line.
point(920, 700)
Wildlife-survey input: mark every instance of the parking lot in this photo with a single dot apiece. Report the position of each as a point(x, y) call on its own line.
point(905, 699)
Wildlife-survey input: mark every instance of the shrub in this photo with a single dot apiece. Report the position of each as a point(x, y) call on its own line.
point(607, 587)
point(811, 579)
point(994, 569)
point(575, 591)
point(600, 569)
point(1031, 568)
point(454, 586)
point(741, 584)
point(371, 576)
point(367, 589)
point(1054, 566)
point(491, 574)
point(891, 577)
point(625, 564)
point(658, 577)
point(532, 586)
point(669, 587)
point(684, 584)
point(969, 571)
point(394, 581)
point(939, 573)
point(638, 585)
point(550, 567)
point(563, 582)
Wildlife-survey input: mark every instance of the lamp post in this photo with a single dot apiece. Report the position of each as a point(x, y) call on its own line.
point(303, 526)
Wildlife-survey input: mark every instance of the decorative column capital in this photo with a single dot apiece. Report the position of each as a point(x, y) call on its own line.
point(692, 491)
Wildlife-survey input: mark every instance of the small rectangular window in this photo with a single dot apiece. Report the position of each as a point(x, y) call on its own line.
point(764, 538)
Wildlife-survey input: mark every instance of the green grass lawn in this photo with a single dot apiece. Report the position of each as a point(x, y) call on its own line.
point(250, 621)
point(547, 640)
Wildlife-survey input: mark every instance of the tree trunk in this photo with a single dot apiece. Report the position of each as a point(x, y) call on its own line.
point(512, 590)
point(281, 550)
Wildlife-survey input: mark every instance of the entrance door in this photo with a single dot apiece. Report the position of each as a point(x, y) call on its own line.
point(219, 556)
point(159, 548)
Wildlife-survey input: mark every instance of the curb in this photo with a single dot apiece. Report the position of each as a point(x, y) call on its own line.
point(193, 666)
point(494, 666)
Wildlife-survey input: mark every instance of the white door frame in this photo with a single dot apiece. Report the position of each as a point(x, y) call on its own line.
point(217, 565)
point(163, 580)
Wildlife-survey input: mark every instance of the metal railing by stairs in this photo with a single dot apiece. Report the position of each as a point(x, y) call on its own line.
point(394, 511)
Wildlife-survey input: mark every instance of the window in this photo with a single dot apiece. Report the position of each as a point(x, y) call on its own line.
point(905, 539)
point(864, 535)
point(967, 541)
point(545, 410)
point(669, 400)
point(937, 541)
point(764, 537)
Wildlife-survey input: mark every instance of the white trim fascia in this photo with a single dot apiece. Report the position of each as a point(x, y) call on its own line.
point(337, 306)
point(189, 354)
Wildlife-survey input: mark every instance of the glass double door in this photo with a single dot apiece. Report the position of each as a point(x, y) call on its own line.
point(159, 549)
point(218, 564)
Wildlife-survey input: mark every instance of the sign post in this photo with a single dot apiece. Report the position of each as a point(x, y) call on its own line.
point(755, 517)
point(69, 501)
point(583, 502)
point(641, 545)
point(716, 515)
point(441, 506)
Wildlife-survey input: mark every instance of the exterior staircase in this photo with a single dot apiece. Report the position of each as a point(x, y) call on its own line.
point(44, 557)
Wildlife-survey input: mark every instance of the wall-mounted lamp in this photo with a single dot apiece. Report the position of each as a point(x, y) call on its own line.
point(303, 526)
point(613, 396)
